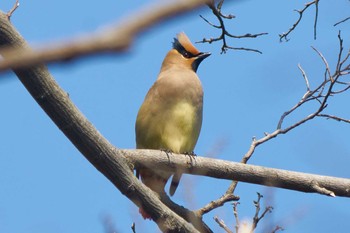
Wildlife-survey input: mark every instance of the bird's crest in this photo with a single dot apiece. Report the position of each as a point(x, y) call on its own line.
point(183, 44)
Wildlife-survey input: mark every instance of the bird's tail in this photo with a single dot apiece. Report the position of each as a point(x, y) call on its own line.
point(174, 183)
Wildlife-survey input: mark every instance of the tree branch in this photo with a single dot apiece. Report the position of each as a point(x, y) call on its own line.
point(341, 21)
point(334, 118)
point(223, 169)
point(224, 33)
point(222, 224)
point(301, 12)
point(10, 12)
point(116, 38)
point(257, 218)
point(321, 94)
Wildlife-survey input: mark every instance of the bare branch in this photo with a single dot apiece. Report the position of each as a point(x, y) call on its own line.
point(219, 6)
point(133, 227)
point(315, 21)
point(320, 94)
point(301, 12)
point(116, 38)
point(211, 24)
point(340, 62)
point(335, 118)
point(235, 213)
point(257, 218)
point(15, 6)
point(306, 81)
point(224, 33)
point(243, 48)
point(341, 90)
point(227, 197)
point(222, 224)
point(325, 62)
point(341, 21)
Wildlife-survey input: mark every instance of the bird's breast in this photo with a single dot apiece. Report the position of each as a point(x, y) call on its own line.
point(181, 130)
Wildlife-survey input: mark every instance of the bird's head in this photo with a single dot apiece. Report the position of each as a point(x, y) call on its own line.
point(184, 54)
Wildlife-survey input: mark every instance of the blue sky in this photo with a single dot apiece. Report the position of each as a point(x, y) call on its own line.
point(48, 186)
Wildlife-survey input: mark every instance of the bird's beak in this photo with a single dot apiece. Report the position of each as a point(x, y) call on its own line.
point(203, 56)
point(199, 58)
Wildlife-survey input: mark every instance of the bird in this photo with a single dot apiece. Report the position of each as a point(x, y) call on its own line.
point(170, 118)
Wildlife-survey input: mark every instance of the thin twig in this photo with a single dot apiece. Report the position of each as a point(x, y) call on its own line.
point(306, 80)
point(339, 62)
point(222, 224)
point(334, 118)
point(133, 227)
point(224, 33)
point(211, 24)
point(219, 6)
point(15, 6)
point(257, 218)
point(325, 61)
point(341, 21)
point(315, 21)
point(342, 90)
point(227, 197)
point(244, 49)
point(301, 12)
point(235, 213)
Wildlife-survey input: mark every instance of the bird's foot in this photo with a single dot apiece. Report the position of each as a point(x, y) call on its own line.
point(167, 152)
point(191, 155)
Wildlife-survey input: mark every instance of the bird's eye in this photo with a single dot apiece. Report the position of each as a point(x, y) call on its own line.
point(186, 54)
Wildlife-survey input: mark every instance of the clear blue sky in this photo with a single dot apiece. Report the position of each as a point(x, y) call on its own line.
point(48, 186)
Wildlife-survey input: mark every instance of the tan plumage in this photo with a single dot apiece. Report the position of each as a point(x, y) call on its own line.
point(170, 117)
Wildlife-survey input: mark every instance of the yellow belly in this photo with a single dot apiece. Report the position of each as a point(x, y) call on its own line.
point(181, 128)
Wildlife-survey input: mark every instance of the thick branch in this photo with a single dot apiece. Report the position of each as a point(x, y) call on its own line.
point(56, 103)
point(221, 169)
point(116, 38)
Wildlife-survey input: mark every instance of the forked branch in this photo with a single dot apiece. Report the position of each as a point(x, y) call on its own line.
point(284, 36)
point(248, 227)
point(224, 33)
